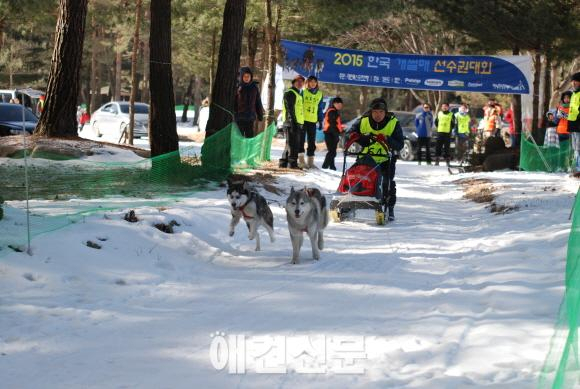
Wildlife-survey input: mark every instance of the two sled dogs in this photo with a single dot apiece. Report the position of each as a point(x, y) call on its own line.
point(306, 212)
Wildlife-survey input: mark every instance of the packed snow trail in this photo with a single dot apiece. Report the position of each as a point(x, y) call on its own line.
point(448, 296)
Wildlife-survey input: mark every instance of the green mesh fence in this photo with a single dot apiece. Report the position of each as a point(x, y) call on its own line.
point(61, 191)
point(545, 159)
point(562, 366)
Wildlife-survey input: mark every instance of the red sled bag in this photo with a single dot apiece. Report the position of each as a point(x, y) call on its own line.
point(361, 180)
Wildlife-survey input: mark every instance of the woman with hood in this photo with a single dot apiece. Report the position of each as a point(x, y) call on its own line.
point(248, 104)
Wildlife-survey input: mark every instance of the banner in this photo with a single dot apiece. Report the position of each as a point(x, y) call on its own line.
point(471, 73)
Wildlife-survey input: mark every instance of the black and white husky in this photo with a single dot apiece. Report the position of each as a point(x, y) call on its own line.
point(306, 212)
point(252, 207)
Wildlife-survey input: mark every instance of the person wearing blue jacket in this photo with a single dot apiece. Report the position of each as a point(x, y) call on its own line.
point(423, 125)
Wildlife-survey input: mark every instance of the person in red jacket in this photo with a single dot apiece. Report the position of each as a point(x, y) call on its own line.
point(509, 118)
point(332, 128)
point(562, 114)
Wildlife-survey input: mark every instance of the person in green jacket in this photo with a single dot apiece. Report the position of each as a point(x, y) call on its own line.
point(445, 122)
point(293, 113)
point(574, 123)
point(313, 114)
point(461, 132)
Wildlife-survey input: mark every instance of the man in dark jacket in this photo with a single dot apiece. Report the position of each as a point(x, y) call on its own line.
point(423, 125)
point(248, 104)
point(293, 113)
point(378, 126)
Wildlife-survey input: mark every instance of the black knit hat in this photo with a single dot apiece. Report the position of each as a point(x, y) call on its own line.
point(312, 77)
point(336, 100)
point(378, 103)
point(576, 76)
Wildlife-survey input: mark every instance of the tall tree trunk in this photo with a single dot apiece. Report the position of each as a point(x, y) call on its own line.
point(118, 63)
point(252, 47)
point(197, 98)
point(536, 95)
point(134, 82)
point(145, 82)
point(224, 86)
point(59, 117)
point(212, 65)
point(162, 123)
point(95, 88)
point(187, 99)
point(517, 105)
point(272, 37)
point(547, 84)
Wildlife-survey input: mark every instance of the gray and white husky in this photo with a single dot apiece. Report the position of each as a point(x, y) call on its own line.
point(307, 212)
point(252, 207)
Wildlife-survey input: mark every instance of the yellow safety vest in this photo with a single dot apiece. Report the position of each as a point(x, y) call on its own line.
point(376, 148)
point(574, 106)
point(298, 108)
point(462, 123)
point(444, 121)
point(311, 102)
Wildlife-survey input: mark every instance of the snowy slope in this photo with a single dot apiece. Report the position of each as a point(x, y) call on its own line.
point(449, 296)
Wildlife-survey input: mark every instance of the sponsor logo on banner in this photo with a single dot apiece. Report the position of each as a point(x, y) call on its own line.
point(506, 87)
point(474, 84)
point(433, 82)
point(413, 81)
point(456, 83)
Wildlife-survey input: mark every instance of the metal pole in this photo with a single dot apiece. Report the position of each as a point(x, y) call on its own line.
point(26, 183)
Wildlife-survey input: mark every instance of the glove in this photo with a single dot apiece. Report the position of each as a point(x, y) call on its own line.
point(354, 136)
point(381, 138)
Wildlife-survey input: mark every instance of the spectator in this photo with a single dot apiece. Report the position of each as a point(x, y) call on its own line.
point(493, 123)
point(40, 105)
point(423, 126)
point(332, 128)
point(562, 116)
point(461, 131)
point(445, 122)
point(574, 122)
point(293, 113)
point(248, 104)
point(510, 119)
point(313, 106)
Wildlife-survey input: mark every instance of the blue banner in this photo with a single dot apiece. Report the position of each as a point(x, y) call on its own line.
point(472, 73)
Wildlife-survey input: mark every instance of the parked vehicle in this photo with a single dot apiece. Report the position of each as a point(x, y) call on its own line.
point(11, 122)
point(29, 96)
point(113, 118)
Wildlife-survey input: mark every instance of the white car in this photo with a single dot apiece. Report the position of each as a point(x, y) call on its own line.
point(112, 119)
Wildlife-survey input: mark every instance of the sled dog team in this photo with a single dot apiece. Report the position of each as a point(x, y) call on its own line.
point(306, 212)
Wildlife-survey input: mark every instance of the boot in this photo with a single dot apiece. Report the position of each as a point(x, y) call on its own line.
point(310, 162)
point(391, 214)
point(301, 162)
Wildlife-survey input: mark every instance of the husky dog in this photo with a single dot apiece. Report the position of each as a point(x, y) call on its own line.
point(306, 211)
point(251, 206)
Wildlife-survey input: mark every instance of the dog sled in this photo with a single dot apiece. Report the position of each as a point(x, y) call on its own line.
point(361, 185)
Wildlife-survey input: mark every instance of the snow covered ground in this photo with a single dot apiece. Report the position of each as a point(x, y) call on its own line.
point(448, 296)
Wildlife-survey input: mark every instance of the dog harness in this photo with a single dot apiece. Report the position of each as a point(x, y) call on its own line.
point(241, 209)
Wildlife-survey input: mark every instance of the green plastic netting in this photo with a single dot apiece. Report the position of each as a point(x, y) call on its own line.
point(562, 366)
point(544, 159)
point(61, 192)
